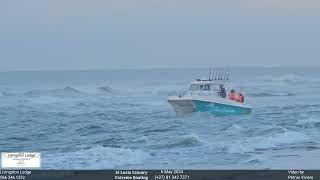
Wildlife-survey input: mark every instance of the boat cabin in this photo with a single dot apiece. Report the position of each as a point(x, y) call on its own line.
point(204, 86)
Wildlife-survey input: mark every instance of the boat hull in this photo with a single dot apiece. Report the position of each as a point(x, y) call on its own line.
point(220, 109)
point(183, 106)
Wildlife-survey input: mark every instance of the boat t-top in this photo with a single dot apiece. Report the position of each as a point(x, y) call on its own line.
point(210, 95)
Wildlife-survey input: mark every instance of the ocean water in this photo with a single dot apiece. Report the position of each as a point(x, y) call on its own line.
point(121, 119)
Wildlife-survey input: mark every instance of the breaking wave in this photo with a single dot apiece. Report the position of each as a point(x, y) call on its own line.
point(188, 140)
point(97, 157)
point(267, 142)
point(105, 90)
point(183, 141)
point(308, 122)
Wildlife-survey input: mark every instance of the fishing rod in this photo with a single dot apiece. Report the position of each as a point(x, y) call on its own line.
point(216, 73)
point(213, 71)
point(228, 74)
point(210, 73)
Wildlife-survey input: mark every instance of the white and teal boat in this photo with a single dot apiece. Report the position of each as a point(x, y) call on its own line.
point(206, 96)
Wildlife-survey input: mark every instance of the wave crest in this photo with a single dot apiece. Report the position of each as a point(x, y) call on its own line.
point(184, 141)
point(97, 157)
point(267, 142)
point(65, 92)
point(105, 90)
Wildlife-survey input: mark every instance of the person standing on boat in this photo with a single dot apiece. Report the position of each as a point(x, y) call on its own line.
point(233, 95)
point(223, 91)
point(240, 98)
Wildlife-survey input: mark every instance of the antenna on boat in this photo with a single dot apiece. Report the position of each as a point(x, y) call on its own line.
point(228, 73)
point(220, 74)
point(223, 76)
point(210, 73)
point(215, 73)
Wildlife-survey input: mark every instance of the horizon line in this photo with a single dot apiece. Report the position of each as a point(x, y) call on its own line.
point(152, 68)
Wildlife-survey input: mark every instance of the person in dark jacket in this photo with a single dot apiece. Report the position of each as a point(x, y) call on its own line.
point(223, 91)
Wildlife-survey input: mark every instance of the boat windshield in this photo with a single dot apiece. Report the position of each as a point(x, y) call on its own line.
point(198, 87)
point(206, 87)
point(195, 87)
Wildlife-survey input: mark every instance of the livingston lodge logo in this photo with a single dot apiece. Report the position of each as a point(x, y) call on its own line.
point(20, 160)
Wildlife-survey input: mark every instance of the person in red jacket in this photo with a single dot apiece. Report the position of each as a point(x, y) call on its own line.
point(240, 98)
point(233, 95)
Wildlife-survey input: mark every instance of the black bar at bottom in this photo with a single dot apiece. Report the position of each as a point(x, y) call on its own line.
point(160, 174)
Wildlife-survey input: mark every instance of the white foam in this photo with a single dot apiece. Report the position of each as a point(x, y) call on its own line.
point(190, 139)
point(183, 141)
point(292, 159)
point(307, 121)
point(266, 142)
point(95, 158)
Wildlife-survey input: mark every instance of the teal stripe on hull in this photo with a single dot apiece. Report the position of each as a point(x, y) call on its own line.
point(219, 109)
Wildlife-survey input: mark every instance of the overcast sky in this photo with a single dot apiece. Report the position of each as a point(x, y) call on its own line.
point(107, 34)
